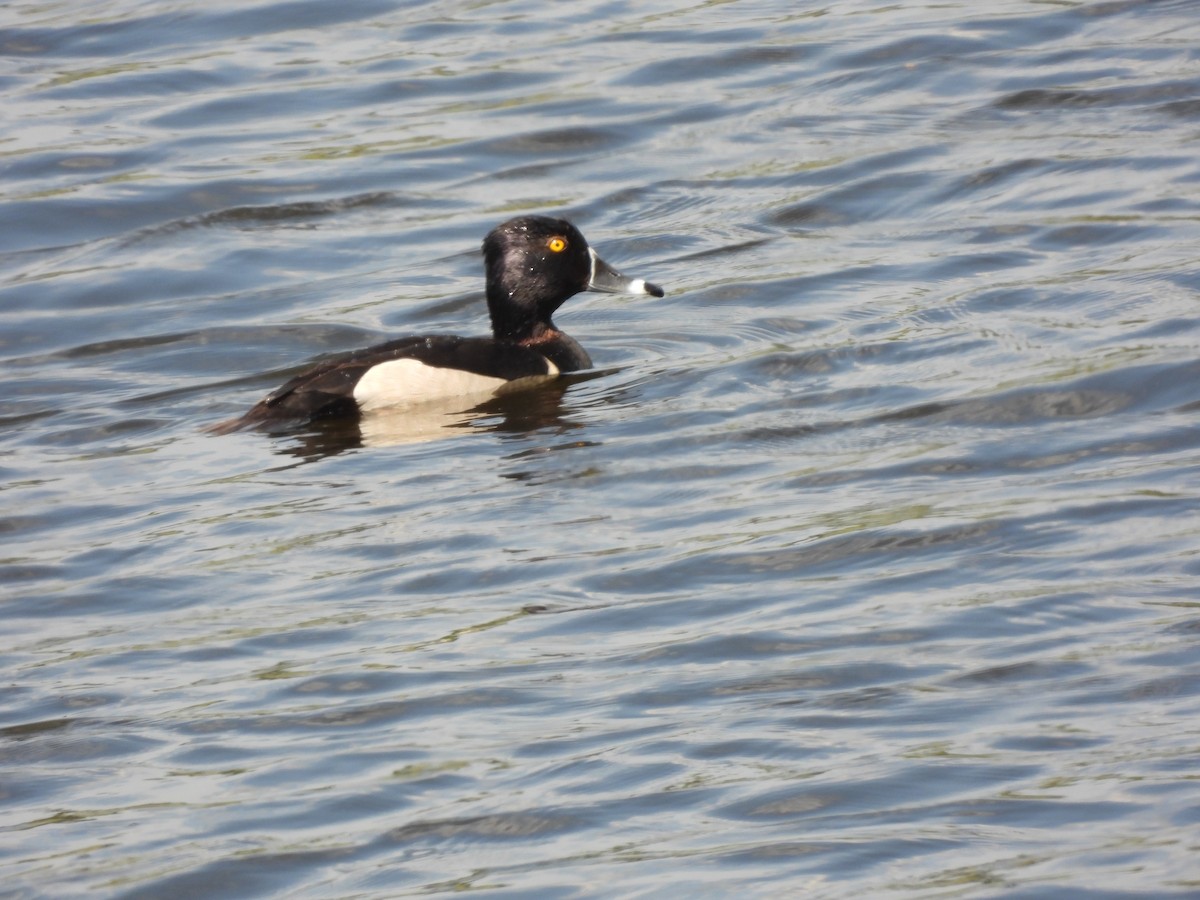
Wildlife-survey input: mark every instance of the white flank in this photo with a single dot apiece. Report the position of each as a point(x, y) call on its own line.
point(404, 382)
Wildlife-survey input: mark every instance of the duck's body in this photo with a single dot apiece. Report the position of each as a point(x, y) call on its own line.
point(533, 265)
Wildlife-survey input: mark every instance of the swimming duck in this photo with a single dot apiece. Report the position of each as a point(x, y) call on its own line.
point(533, 265)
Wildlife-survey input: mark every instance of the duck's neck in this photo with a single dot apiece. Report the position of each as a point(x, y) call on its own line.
point(561, 349)
point(522, 324)
point(511, 321)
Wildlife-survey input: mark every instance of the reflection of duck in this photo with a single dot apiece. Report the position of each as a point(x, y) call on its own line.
point(518, 412)
point(515, 412)
point(533, 265)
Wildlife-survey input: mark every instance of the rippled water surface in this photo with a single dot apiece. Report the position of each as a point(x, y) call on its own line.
point(865, 564)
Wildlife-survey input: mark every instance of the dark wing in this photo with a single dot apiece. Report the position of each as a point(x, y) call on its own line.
point(327, 389)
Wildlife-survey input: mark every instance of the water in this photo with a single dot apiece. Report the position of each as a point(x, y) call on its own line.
point(864, 565)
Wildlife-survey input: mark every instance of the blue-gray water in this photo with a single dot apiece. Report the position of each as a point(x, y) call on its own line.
point(866, 565)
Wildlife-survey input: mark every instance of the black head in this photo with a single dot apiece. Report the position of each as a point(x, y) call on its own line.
point(534, 264)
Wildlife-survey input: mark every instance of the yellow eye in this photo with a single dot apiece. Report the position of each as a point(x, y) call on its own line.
point(556, 245)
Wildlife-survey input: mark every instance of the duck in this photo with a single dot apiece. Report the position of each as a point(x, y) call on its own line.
point(532, 264)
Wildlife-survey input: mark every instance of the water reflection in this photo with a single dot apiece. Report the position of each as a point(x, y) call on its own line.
point(517, 413)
